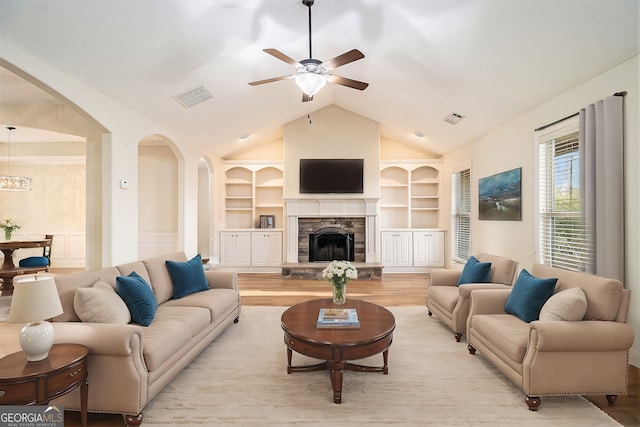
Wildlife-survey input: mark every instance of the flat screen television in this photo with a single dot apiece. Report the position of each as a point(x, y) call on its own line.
point(331, 176)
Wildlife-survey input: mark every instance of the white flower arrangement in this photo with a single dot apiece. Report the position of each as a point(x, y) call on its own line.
point(339, 273)
point(9, 226)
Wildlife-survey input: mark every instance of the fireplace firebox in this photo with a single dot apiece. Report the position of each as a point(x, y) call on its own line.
point(331, 243)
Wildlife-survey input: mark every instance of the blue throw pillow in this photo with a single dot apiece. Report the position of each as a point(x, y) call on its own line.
point(139, 297)
point(475, 271)
point(528, 295)
point(187, 277)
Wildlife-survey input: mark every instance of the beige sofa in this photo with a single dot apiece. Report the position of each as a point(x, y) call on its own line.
point(128, 363)
point(557, 357)
point(451, 302)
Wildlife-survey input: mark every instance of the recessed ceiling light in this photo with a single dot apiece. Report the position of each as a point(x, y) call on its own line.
point(418, 134)
point(245, 137)
point(453, 118)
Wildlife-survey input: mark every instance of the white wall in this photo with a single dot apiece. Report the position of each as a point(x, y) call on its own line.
point(55, 205)
point(334, 133)
point(112, 136)
point(512, 145)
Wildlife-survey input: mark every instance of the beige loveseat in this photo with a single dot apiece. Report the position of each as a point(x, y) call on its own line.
point(451, 302)
point(128, 363)
point(557, 357)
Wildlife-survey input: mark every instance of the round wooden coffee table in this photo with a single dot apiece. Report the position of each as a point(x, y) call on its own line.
point(337, 346)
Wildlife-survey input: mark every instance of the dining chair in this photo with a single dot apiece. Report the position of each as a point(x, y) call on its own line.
point(40, 261)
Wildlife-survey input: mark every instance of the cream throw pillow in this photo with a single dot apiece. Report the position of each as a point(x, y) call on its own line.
point(570, 304)
point(100, 303)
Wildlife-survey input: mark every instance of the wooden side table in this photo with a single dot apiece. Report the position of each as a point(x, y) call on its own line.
point(36, 383)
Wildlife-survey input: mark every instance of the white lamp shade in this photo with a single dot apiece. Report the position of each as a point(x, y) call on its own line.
point(35, 298)
point(310, 83)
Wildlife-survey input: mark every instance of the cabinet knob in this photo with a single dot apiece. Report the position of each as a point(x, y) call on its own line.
point(2, 393)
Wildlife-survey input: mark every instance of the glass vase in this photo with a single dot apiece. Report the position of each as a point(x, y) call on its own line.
point(339, 293)
point(7, 234)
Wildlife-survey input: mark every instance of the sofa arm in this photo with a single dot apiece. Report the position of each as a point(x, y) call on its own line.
point(117, 371)
point(101, 338)
point(444, 277)
point(465, 289)
point(222, 279)
point(580, 336)
point(489, 301)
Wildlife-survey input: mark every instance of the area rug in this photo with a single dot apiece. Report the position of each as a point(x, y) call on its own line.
point(241, 380)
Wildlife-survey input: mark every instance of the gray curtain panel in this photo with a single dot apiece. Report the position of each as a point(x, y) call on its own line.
point(601, 137)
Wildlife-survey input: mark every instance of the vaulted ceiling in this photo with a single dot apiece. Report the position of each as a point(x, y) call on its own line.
point(488, 60)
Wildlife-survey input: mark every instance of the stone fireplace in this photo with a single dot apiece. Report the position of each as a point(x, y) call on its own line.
point(332, 238)
point(331, 243)
point(357, 216)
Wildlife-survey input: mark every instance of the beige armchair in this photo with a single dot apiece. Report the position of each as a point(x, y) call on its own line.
point(451, 302)
point(557, 357)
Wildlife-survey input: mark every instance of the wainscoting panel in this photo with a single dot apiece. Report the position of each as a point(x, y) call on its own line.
point(156, 244)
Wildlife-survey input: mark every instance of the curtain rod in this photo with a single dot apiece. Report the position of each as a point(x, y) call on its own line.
point(556, 122)
point(623, 93)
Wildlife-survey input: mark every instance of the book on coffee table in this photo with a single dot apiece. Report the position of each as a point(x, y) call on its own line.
point(338, 318)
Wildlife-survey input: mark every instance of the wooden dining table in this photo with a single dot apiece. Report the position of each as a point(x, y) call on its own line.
point(8, 270)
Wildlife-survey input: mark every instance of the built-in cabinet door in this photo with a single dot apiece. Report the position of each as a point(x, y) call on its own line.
point(266, 248)
point(396, 248)
point(428, 248)
point(235, 248)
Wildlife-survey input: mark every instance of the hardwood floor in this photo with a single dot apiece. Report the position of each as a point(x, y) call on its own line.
point(392, 290)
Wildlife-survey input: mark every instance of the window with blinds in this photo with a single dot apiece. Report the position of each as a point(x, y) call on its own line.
point(461, 215)
point(563, 238)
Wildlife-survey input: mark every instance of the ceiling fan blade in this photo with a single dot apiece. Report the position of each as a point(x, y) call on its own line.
point(355, 84)
point(345, 58)
point(274, 79)
point(282, 57)
point(306, 98)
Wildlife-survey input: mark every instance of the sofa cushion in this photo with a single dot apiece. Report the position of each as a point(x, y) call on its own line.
point(503, 270)
point(100, 304)
point(137, 294)
point(570, 304)
point(219, 302)
point(444, 296)
point(507, 335)
point(160, 279)
point(67, 285)
point(604, 295)
point(475, 271)
point(529, 295)
point(187, 277)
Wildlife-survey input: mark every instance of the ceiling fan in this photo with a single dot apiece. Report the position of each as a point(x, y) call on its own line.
point(312, 74)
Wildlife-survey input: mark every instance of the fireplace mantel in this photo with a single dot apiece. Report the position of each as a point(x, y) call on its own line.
point(333, 207)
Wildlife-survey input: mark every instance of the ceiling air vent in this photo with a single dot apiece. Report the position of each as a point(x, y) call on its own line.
point(453, 118)
point(193, 97)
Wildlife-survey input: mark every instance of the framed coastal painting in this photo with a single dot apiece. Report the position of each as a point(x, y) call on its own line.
point(500, 196)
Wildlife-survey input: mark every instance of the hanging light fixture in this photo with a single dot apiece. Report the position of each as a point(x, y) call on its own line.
point(9, 182)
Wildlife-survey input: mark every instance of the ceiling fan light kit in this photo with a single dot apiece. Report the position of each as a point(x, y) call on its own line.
point(312, 74)
point(310, 83)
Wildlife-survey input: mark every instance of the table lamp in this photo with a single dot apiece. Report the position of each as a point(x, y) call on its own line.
point(34, 300)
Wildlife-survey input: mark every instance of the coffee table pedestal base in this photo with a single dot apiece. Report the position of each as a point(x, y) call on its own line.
point(336, 370)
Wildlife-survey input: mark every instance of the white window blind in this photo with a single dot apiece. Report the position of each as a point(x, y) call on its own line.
point(563, 238)
point(461, 215)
